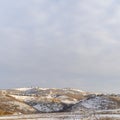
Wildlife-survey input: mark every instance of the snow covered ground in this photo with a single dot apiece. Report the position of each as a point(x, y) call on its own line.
point(60, 116)
point(49, 116)
point(97, 102)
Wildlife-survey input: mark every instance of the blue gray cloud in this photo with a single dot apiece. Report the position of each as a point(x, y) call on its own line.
point(60, 43)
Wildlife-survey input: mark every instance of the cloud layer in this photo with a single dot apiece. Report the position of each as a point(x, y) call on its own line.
point(60, 43)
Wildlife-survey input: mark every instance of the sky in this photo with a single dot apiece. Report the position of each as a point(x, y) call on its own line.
point(60, 44)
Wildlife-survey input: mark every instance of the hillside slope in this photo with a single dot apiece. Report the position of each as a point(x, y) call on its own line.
point(45, 100)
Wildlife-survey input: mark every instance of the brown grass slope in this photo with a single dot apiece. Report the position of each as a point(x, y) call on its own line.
point(9, 105)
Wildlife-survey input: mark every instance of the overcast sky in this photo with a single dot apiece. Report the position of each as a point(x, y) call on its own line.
point(60, 43)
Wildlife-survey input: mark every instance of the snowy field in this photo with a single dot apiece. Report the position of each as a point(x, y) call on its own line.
point(62, 116)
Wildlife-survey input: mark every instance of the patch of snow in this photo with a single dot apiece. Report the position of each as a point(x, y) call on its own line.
point(96, 103)
point(67, 100)
point(47, 88)
point(76, 90)
point(22, 89)
point(48, 107)
point(23, 98)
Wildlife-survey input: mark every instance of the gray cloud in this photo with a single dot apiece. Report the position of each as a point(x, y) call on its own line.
point(60, 43)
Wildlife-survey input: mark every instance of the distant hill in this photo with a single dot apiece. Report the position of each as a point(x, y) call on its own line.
point(45, 100)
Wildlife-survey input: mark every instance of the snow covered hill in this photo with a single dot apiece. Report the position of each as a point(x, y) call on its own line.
point(95, 102)
point(49, 100)
point(45, 100)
